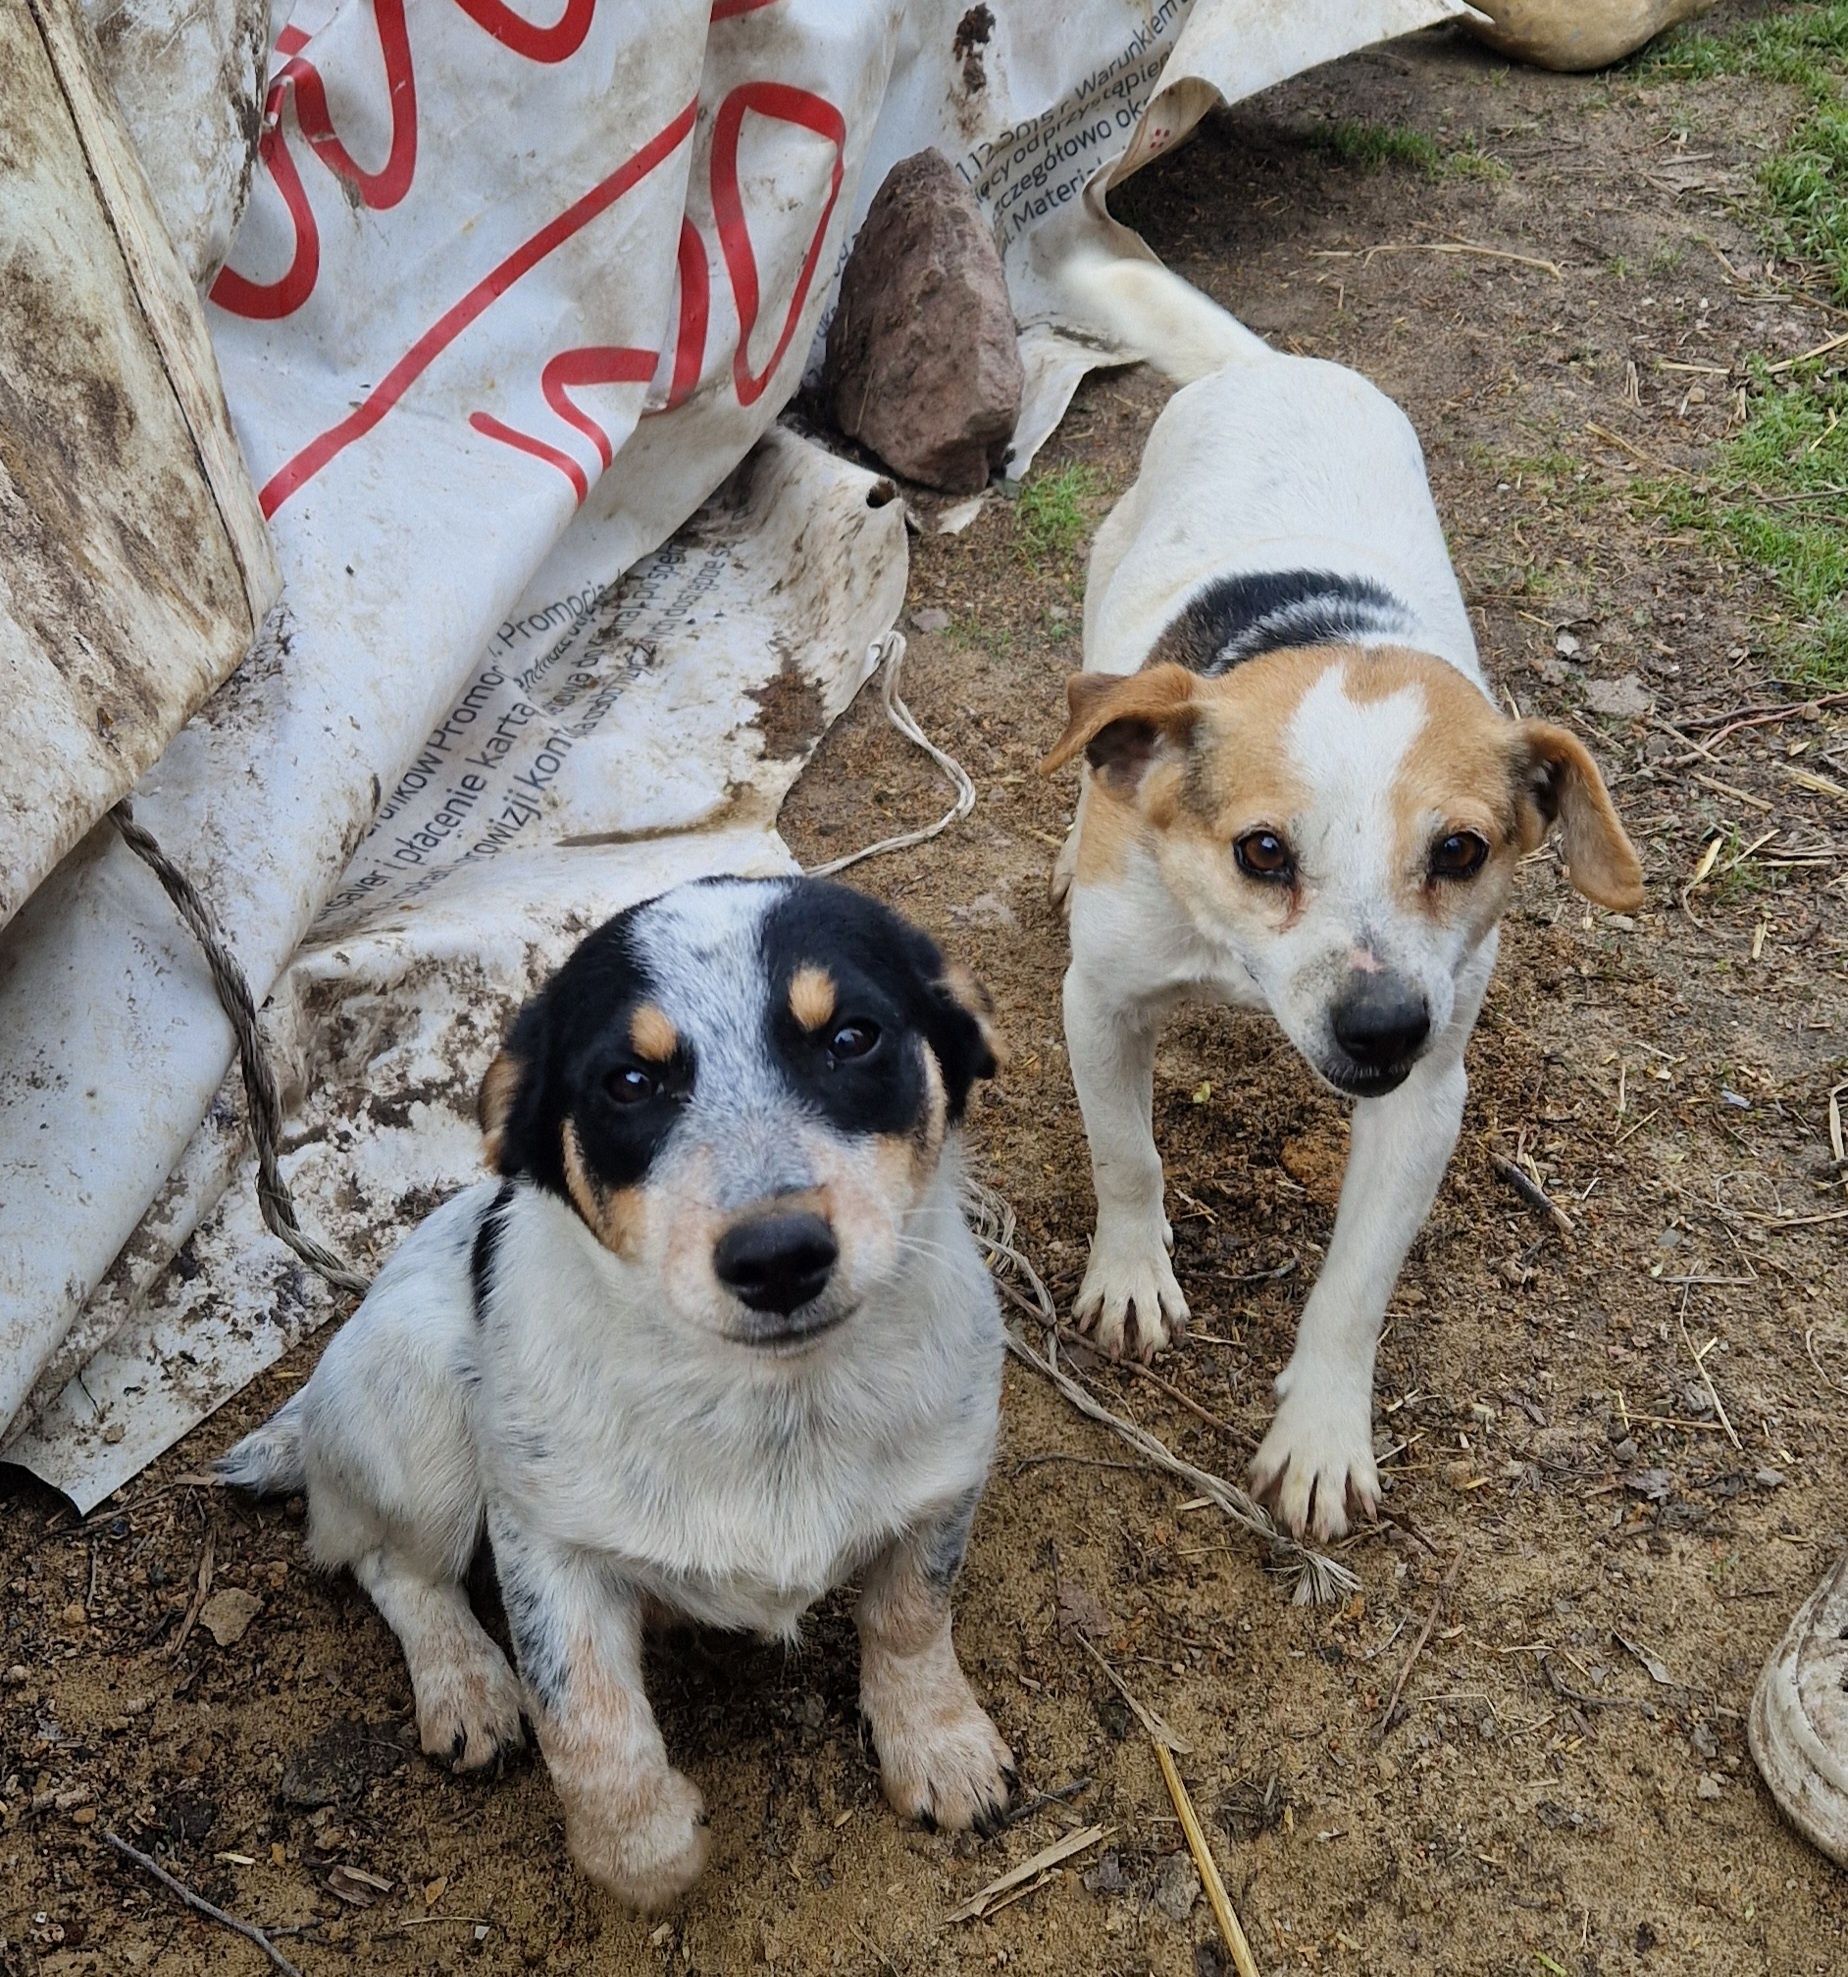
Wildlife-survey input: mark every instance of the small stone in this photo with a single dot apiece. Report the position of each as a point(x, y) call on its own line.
point(85, 1815)
point(114, 1433)
point(1650, 1484)
point(73, 1617)
point(227, 1615)
point(1177, 1888)
point(923, 363)
point(933, 618)
point(1625, 698)
point(1624, 1451)
point(1709, 1787)
point(1768, 1479)
point(1107, 1877)
point(17, 1676)
point(1624, 923)
point(1566, 645)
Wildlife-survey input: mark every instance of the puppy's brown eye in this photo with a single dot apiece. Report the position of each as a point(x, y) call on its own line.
point(1461, 855)
point(853, 1040)
point(631, 1086)
point(1264, 855)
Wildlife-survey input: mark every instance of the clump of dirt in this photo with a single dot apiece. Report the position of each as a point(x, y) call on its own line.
point(1566, 1786)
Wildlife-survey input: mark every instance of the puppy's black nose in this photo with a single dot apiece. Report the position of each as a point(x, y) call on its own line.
point(1380, 1022)
point(776, 1262)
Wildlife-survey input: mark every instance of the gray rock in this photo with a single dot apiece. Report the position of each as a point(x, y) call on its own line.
point(1177, 1888)
point(922, 364)
point(1626, 698)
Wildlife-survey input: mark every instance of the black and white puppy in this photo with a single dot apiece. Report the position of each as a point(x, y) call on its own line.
point(716, 1340)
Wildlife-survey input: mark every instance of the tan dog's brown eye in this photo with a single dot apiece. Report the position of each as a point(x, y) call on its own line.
point(1461, 855)
point(1264, 855)
point(853, 1040)
point(631, 1086)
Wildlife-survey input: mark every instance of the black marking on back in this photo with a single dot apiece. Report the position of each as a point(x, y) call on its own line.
point(487, 1247)
point(1233, 619)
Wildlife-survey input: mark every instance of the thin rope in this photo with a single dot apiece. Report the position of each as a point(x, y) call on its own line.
point(274, 1199)
point(1320, 1579)
point(891, 661)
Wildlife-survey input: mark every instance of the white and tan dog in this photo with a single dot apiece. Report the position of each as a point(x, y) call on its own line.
point(1299, 798)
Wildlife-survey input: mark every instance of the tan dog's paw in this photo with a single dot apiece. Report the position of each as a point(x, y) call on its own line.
point(468, 1707)
point(942, 1761)
point(1315, 1468)
point(648, 1850)
point(1130, 1300)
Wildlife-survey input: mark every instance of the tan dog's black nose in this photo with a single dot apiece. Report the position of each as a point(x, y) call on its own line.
point(776, 1262)
point(1381, 1022)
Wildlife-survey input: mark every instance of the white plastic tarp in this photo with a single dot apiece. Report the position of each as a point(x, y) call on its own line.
point(519, 288)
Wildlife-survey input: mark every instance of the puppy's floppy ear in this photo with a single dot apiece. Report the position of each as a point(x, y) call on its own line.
point(961, 1032)
point(1122, 723)
point(1560, 781)
point(508, 1106)
point(494, 1108)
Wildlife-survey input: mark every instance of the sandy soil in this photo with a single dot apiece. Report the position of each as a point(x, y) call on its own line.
point(1568, 1788)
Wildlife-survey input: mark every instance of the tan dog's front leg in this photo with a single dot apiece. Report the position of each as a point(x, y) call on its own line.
point(940, 1758)
point(634, 1824)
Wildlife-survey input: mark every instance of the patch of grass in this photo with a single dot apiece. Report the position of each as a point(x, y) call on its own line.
point(1051, 509)
point(1799, 45)
point(1369, 146)
point(1773, 494)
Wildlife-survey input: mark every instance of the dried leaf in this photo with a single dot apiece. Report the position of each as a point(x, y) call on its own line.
point(1081, 1611)
point(1658, 1669)
point(227, 1615)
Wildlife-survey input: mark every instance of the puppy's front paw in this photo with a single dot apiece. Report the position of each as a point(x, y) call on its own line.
point(1129, 1299)
point(940, 1759)
point(1315, 1468)
point(468, 1707)
point(648, 1849)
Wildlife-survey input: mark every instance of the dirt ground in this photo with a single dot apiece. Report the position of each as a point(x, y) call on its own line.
point(1567, 1788)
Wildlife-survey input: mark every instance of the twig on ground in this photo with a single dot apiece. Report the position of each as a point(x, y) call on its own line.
point(1365, 254)
point(201, 1588)
point(198, 1903)
point(1756, 716)
point(1636, 452)
point(1230, 1932)
point(1388, 1714)
point(1534, 1195)
point(1321, 1579)
point(988, 1898)
point(1822, 1372)
point(1154, 1379)
point(1700, 1366)
point(1160, 1730)
point(1040, 1800)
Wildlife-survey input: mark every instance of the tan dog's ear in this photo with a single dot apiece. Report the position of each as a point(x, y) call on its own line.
point(1120, 721)
point(1561, 781)
point(495, 1105)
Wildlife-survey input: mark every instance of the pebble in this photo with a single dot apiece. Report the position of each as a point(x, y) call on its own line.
point(1709, 1787)
point(1177, 1888)
point(931, 619)
point(17, 1676)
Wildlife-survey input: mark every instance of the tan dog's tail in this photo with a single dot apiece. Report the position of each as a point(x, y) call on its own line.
point(1125, 297)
